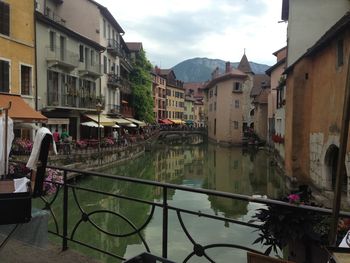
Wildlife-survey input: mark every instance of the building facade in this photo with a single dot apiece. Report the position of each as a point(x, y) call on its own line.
point(276, 103)
point(224, 101)
point(159, 95)
point(17, 49)
point(175, 95)
point(314, 109)
point(69, 72)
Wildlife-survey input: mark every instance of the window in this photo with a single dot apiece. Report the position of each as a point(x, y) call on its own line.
point(214, 106)
point(109, 31)
point(105, 64)
point(235, 124)
point(92, 57)
point(210, 93)
point(4, 18)
point(216, 91)
point(210, 107)
point(26, 80)
point(237, 104)
point(4, 76)
point(237, 87)
point(340, 52)
point(81, 53)
point(52, 40)
point(214, 126)
point(104, 28)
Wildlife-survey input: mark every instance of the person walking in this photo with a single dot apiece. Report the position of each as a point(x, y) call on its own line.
point(56, 138)
point(65, 142)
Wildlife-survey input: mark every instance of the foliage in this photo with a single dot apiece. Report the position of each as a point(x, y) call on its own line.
point(282, 224)
point(107, 142)
point(18, 170)
point(142, 88)
point(81, 144)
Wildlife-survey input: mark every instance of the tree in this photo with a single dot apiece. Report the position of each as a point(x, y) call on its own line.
point(142, 88)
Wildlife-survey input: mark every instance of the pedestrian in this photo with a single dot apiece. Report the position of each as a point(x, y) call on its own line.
point(56, 138)
point(65, 142)
point(115, 135)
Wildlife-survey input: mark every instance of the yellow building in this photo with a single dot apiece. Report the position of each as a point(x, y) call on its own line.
point(17, 48)
point(175, 95)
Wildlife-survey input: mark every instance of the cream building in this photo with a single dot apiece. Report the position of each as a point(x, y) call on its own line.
point(225, 95)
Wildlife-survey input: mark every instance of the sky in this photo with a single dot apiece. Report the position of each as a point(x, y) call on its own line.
point(172, 31)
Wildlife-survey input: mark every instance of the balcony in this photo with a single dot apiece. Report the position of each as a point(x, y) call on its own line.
point(126, 111)
point(63, 58)
point(113, 80)
point(125, 86)
point(53, 16)
point(71, 100)
point(93, 71)
point(113, 109)
point(114, 48)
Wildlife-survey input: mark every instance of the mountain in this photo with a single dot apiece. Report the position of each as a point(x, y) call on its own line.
point(200, 69)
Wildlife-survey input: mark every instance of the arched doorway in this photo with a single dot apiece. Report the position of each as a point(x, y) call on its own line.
point(331, 160)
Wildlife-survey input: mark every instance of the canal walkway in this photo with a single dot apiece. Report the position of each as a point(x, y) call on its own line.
point(18, 252)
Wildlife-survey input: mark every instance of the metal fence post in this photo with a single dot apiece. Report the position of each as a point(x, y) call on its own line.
point(165, 222)
point(65, 212)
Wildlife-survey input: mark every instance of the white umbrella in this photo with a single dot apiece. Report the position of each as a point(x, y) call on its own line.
point(116, 126)
point(91, 124)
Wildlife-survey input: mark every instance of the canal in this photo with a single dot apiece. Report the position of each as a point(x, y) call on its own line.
point(233, 170)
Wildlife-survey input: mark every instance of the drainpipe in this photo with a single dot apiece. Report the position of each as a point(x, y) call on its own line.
point(35, 60)
point(343, 141)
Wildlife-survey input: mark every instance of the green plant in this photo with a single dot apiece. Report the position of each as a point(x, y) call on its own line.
point(284, 224)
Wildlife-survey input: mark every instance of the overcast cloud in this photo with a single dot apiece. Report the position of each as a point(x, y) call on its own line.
point(175, 30)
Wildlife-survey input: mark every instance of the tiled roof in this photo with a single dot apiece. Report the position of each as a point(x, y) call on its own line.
point(262, 98)
point(244, 65)
point(259, 80)
point(134, 46)
point(272, 68)
point(233, 74)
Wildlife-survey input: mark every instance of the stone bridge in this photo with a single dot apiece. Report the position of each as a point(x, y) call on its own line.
point(163, 134)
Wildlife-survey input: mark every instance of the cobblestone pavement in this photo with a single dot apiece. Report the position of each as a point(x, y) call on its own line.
point(18, 252)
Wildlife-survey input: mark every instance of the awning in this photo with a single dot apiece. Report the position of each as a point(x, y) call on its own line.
point(131, 125)
point(189, 122)
point(91, 124)
point(177, 121)
point(122, 121)
point(23, 125)
point(139, 123)
point(20, 111)
point(165, 121)
point(104, 120)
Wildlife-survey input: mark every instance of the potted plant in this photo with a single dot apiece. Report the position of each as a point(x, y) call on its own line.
point(297, 232)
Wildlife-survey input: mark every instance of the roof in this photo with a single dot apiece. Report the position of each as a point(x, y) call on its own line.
point(42, 18)
point(164, 72)
point(196, 87)
point(339, 27)
point(277, 51)
point(262, 98)
point(134, 46)
point(272, 68)
point(233, 74)
point(259, 80)
point(20, 110)
point(244, 65)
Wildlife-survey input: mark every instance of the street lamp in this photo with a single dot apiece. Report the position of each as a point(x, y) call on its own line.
point(99, 110)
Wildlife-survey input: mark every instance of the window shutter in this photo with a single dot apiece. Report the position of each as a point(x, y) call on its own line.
point(4, 76)
point(4, 18)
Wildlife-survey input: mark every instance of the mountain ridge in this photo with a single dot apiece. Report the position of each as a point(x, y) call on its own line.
point(199, 69)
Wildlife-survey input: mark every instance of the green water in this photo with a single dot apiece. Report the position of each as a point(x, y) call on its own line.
point(206, 166)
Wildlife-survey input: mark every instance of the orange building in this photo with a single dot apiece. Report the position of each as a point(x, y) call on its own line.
point(314, 107)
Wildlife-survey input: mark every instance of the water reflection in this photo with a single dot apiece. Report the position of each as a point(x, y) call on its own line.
point(204, 166)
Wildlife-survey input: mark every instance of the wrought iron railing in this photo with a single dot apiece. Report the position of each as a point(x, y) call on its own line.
point(70, 190)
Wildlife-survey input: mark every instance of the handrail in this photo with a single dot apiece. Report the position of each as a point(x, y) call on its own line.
point(198, 249)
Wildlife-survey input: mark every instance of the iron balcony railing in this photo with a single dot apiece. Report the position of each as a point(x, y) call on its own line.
point(84, 219)
point(113, 109)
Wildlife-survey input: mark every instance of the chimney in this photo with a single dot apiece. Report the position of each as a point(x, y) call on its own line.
point(228, 67)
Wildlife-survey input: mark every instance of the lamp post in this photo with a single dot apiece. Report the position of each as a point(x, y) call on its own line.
point(99, 109)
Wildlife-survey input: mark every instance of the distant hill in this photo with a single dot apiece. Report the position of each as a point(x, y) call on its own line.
point(200, 69)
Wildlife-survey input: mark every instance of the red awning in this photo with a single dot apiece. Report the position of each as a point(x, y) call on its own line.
point(166, 121)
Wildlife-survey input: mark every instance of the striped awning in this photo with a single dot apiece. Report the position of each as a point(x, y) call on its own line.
point(177, 121)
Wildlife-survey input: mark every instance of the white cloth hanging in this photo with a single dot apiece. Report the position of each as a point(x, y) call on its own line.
point(34, 155)
point(10, 137)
